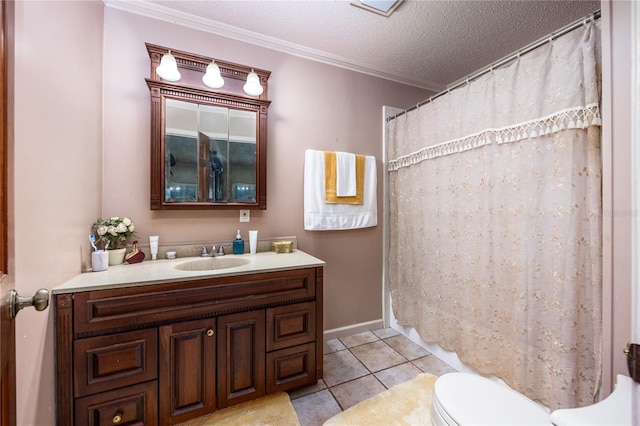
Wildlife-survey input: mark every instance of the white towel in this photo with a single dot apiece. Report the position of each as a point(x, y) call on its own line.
point(345, 174)
point(320, 216)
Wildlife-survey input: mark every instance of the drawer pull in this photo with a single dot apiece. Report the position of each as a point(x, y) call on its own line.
point(117, 419)
point(210, 332)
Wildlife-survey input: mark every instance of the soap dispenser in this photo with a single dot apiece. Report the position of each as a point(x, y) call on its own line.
point(238, 244)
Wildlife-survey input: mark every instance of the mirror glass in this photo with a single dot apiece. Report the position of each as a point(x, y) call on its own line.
point(210, 153)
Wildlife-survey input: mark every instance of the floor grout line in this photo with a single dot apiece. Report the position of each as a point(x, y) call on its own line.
point(319, 412)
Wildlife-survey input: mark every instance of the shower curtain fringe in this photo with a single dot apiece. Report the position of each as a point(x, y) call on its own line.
point(570, 118)
point(497, 64)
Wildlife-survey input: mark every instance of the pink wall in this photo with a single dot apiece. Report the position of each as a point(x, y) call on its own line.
point(313, 106)
point(57, 186)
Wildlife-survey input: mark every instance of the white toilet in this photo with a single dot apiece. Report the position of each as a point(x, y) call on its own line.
point(468, 399)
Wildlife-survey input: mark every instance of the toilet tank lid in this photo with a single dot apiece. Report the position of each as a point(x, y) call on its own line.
point(470, 399)
point(613, 410)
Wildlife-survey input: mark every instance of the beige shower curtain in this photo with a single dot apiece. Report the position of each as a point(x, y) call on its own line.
point(495, 221)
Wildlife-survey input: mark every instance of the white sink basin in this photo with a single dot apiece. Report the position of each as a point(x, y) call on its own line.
point(212, 263)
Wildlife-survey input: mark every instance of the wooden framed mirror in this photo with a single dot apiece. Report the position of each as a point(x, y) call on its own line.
point(208, 146)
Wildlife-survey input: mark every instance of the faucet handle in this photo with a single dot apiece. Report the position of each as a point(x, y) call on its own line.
point(221, 250)
point(205, 253)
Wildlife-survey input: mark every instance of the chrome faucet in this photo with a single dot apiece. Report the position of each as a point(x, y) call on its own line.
point(221, 250)
point(205, 253)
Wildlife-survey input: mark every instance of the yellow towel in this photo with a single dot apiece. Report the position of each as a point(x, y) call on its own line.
point(330, 180)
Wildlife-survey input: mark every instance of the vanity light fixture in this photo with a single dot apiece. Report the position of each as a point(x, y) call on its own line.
point(252, 87)
point(212, 77)
point(168, 68)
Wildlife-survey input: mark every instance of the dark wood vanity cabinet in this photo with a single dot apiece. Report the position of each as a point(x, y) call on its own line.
point(168, 352)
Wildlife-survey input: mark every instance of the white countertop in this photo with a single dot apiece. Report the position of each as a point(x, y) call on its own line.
point(163, 271)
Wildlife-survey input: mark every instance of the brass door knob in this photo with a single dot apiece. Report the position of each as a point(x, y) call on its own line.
point(15, 302)
point(210, 332)
point(116, 419)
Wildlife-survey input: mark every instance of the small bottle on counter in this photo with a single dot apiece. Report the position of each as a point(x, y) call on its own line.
point(238, 244)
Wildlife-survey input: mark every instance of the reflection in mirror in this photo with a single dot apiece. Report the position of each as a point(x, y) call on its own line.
point(210, 153)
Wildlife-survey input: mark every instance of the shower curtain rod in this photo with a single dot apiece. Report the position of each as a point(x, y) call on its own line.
point(466, 80)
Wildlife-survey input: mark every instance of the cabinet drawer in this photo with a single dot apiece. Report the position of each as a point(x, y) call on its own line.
point(108, 362)
point(291, 325)
point(291, 368)
point(135, 405)
point(98, 310)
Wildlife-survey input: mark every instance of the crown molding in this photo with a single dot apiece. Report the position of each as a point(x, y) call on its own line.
point(166, 14)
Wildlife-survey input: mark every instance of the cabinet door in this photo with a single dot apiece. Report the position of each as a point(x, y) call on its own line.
point(187, 370)
point(241, 357)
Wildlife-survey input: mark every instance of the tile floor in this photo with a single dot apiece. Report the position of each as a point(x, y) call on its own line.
point(358, 367)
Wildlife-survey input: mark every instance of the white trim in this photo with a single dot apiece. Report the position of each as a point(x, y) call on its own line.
point(155, 11)
point(349, 330)
point(387, 112)
point(606, 149)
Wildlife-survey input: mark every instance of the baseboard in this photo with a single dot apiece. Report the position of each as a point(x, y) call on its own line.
point(348, 330)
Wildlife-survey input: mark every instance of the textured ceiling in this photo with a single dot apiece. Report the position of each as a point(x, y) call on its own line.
point(425, 43)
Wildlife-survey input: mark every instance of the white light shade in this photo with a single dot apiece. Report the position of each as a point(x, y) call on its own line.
point(168, 68)
point(212, 77)
point(252, 87)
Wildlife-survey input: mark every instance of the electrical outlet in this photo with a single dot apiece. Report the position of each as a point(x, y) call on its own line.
point(245, 216)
